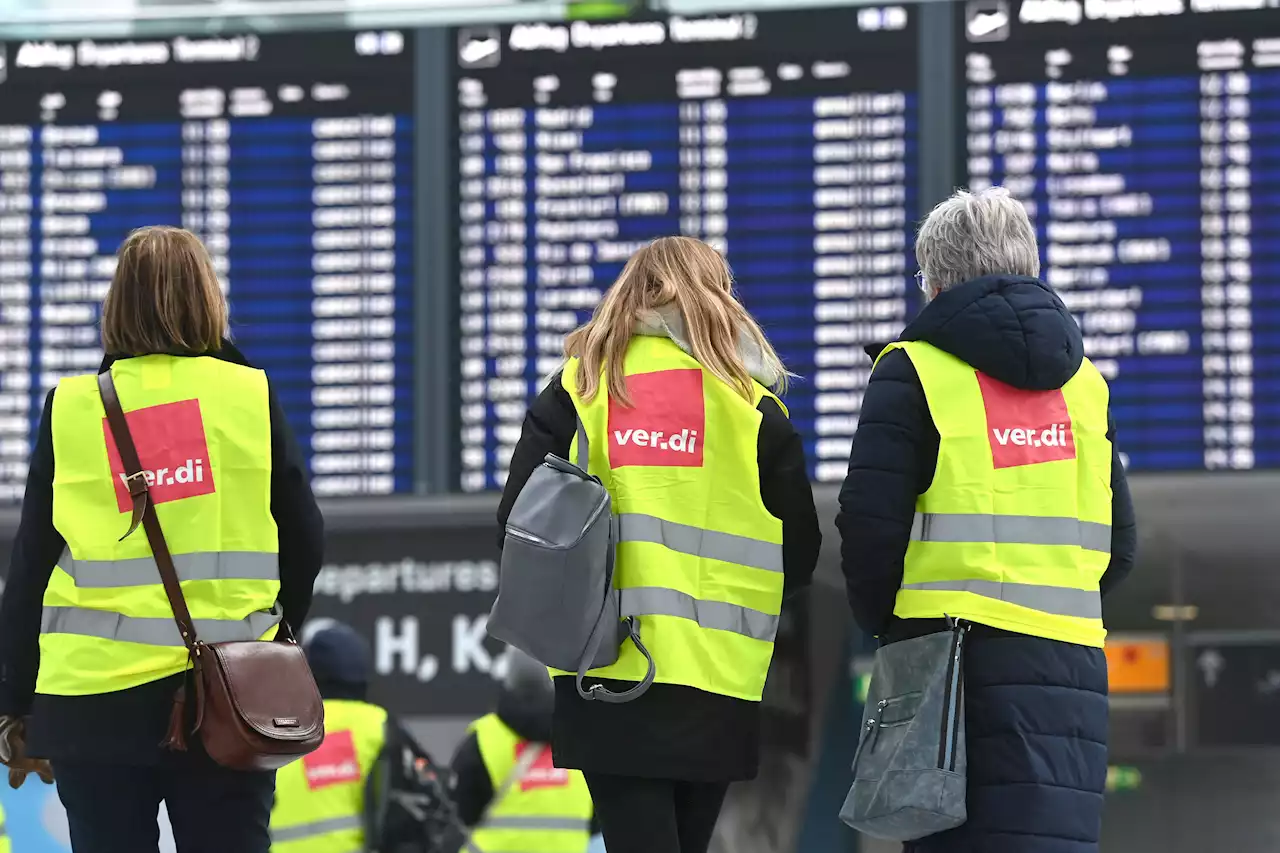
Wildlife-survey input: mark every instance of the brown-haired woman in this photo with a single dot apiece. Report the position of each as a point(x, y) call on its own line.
point(671, 382)
point(89, 653)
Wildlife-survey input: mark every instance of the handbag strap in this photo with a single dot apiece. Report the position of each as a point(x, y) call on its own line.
point(144, 510)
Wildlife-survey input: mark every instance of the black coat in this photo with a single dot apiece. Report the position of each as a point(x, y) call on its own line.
point(128, 726)
point(1036, 709)
point(672, 732)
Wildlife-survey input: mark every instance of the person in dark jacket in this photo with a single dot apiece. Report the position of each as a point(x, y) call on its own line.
point(522, 717)
point(659, 766)
point(1036, 708)
point(104, 705)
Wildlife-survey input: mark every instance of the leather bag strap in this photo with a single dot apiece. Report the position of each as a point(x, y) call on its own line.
point(144, 510)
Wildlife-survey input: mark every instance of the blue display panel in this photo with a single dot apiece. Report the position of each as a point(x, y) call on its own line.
point(290, 155)
point(1144, 140)
point(786, 139)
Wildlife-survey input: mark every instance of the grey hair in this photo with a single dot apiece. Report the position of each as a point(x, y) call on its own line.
point(975, 234)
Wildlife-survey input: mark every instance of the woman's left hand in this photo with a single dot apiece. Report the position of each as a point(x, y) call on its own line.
point(13, 754)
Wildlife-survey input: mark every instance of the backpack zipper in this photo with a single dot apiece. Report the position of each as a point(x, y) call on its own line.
point(530, 537)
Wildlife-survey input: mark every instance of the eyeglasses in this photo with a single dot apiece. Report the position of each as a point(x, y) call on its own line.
point(920, 281)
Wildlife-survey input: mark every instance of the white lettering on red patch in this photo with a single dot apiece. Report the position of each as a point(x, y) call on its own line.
point(542, 772)
point(664, 425)
point(334, 763)
point(172, 449)
point(1026, 427)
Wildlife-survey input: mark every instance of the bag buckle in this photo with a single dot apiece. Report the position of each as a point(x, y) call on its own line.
point(136, 484)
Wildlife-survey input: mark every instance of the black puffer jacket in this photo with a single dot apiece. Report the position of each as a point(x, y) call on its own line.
point(1036, 709)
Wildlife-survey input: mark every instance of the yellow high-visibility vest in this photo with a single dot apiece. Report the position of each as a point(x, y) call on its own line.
point(547, 811)
point(1015, 530)
point(5, 845)
point(202, 427)
point(320, 799)
point(699, 558)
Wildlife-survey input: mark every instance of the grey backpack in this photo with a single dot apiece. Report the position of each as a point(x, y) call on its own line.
point(909, 770)
point(556, 598)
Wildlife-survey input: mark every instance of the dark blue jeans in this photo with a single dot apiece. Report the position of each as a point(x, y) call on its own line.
point(112, 808)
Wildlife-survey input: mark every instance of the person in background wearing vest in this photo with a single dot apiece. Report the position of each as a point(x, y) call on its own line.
point(5, 845)
point(547, 809)
point(321, 804)
point(673, 383)
point(985, 484)
point(89, 652)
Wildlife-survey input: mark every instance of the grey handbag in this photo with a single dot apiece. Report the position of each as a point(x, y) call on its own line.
point(909, 770)
point(556, 598)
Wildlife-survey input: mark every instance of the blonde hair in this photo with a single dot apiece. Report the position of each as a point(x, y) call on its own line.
point(693, 277)
point(164, 296)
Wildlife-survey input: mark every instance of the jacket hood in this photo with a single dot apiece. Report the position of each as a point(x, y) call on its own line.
point(1012, 328)
point(527, 698)
point(667, 322)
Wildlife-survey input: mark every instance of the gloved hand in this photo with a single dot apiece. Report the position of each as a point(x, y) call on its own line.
point(13, 754)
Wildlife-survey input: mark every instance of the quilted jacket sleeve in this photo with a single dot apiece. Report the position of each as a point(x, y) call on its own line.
point(894, 455)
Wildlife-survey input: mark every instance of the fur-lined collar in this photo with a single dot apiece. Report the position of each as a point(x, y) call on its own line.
point(666, 322)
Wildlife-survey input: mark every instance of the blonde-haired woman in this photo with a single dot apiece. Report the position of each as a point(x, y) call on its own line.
point(672, 386)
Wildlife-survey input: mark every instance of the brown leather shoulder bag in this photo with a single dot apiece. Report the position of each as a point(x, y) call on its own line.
point(257, 705)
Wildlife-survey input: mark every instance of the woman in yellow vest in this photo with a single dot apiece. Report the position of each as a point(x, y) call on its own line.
point(89, 652)
point(504, 783)
point(673, 383)
point(984, 484)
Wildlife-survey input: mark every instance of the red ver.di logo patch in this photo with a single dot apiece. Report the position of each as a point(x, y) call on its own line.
point(334, 763)
point(1026, 427)
point(542, 772)
point(172, 449)
point(664, 425)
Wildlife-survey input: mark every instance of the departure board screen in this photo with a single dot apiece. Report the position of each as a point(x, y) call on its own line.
point(290, 155)
point(1144, 138)
point(784, 139)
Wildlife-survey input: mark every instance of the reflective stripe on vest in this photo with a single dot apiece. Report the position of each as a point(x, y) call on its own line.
point(142, 571)
point(1058, 600)
point(709, 544)
point(153, 631)
point(1011, 529)
point(319, 827)
point(658, 601)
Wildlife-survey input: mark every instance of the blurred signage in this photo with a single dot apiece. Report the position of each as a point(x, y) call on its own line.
point(1138, 665)
point(1235, 693)
point(422, 600)
point(579, 10)
point(1123, 778)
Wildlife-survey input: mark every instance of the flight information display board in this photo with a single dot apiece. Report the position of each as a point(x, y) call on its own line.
point(290, 155)
point(785, 139)
point(1144, 138)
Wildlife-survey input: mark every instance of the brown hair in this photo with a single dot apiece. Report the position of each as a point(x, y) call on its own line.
point(693, 277)
point(164, 296)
